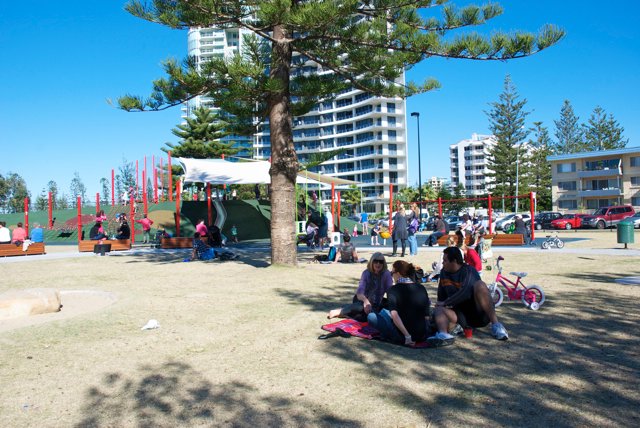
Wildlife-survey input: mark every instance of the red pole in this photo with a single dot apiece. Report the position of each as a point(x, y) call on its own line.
point(79, 205)
point(338, 211)
point(390, 207)
point(178, 209)
point(440, 207)
point(162, 178)
point(132, 223)
point(209, 212)
point(97, 202)
point(136, 176)
point(533, 211)
point(26, 215)
point(170, 179)
point(50, 211)
point(155, 180)
point(113, 188)
point(144, 192)
point(333, 206)
point(490, 215)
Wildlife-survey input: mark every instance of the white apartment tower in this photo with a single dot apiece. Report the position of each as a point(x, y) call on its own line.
point(371, 130)
point(469, 164)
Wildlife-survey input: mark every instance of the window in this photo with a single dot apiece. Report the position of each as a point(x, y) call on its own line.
point(566, 167)
point(635, 181)
point(392, 135)
point(391, 107)
point(602, 164)
point(635, 201)
point(635, 161)
point(566, 185)
point(569, 204)
point(391, 121)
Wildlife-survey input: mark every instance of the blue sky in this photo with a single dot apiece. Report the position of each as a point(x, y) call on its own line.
point(61, 61)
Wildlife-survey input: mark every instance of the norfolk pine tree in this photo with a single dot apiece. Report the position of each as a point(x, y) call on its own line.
point(602, 132)
point(539, 172)
point(569, 134)
point(506, 120)
point(365, 45)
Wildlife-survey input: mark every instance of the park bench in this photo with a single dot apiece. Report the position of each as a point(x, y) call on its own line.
point(88, 245)
point(9, 250)
point(498, 239)
point(179, 242)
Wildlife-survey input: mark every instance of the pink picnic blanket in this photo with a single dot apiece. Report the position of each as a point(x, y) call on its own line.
point(362, 330)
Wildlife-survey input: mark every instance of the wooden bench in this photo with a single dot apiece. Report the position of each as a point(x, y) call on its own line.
point(116, 244)
point(498, 239)
point(179, 242)
point(9, 250)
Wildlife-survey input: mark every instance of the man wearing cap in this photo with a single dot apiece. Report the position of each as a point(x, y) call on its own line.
point(463, 298)
point(521, 228)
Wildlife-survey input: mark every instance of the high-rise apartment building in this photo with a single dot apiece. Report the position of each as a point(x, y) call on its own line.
point(371, 130)
point(469, 164)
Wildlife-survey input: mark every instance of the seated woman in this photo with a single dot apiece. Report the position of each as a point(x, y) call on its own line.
point(374, 283)
point(97, 232)
point(471, 257)
point(347, 252)
point(201, 251)
point(405, 319)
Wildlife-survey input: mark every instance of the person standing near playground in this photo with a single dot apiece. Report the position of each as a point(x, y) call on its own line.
point(5, 233)
point(463, 298)
point(412, 221)
point(234, 234)
point(399, 231)
point(364, 220)
point(521, 228)
point(146, 228)
point(375, 231)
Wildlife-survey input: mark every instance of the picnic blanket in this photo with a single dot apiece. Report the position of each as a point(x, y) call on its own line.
point(362, 330)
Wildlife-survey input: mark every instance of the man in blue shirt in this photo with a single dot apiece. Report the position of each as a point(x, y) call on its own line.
point(37, 234)
point(364, 219)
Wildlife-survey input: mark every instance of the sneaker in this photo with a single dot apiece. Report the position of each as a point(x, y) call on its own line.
point(499, 332)
point(457, 330)
point(436, 245)
point(441, 339)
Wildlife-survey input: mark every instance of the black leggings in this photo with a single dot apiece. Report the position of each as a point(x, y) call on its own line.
point(403, 242)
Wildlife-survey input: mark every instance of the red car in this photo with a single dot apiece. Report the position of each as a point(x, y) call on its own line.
point(568, 221)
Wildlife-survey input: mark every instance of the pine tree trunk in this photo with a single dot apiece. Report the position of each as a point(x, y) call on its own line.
point(284, 162)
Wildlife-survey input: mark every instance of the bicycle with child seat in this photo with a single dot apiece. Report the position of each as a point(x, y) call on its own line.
point(531, 296)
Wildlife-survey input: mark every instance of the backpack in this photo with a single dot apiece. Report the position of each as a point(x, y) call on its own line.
point(332, 254)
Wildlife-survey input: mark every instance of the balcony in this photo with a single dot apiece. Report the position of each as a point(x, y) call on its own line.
point(607, 172)
point(611, 191)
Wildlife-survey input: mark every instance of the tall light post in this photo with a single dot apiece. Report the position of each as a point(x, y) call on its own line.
point(517, 173)
point(417, 116)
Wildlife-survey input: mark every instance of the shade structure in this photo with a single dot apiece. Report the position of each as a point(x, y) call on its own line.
point(220, 171)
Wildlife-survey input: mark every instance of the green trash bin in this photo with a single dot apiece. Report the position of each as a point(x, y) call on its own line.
point(625, 233)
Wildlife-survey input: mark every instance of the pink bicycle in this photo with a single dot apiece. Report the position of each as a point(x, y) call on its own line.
point(532, 296)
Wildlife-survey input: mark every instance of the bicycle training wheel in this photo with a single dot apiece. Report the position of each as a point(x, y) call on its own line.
point(533, 294)
point(560, 243)
point(496, 294)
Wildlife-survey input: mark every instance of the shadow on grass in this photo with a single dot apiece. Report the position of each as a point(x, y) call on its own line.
point(174, 394)
point(575, 362)
point(257, 259)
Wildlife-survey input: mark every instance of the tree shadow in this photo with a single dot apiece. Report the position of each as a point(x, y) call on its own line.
point(575, 362)
point(257, 259)
point(174, 394)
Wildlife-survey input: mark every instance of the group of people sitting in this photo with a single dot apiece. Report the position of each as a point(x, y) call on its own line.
point(19, 234)
point(97, 231)
point(396, 304)
point(214, 239)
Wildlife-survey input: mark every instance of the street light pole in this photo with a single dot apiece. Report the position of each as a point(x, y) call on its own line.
point(517, 173)
point(417, 116)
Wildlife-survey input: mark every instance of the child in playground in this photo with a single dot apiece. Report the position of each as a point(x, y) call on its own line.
point(355, 230)
point(234, 233)
point(375, 231)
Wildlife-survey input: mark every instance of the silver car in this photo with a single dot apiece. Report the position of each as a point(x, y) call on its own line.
point(635, 219)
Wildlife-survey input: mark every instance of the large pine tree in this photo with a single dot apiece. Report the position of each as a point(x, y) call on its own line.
point(539, 171)
point(506, 159)
point(569, 135)
point(365, 45)
point(602, 132)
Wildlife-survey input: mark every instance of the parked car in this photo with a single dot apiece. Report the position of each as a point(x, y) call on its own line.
point(454, 222)
point(506, 221)
point(543, 219)
point(608, 216)
point(568, 221)
point(635, 219)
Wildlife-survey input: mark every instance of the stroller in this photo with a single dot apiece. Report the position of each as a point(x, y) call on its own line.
point(310, 238)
